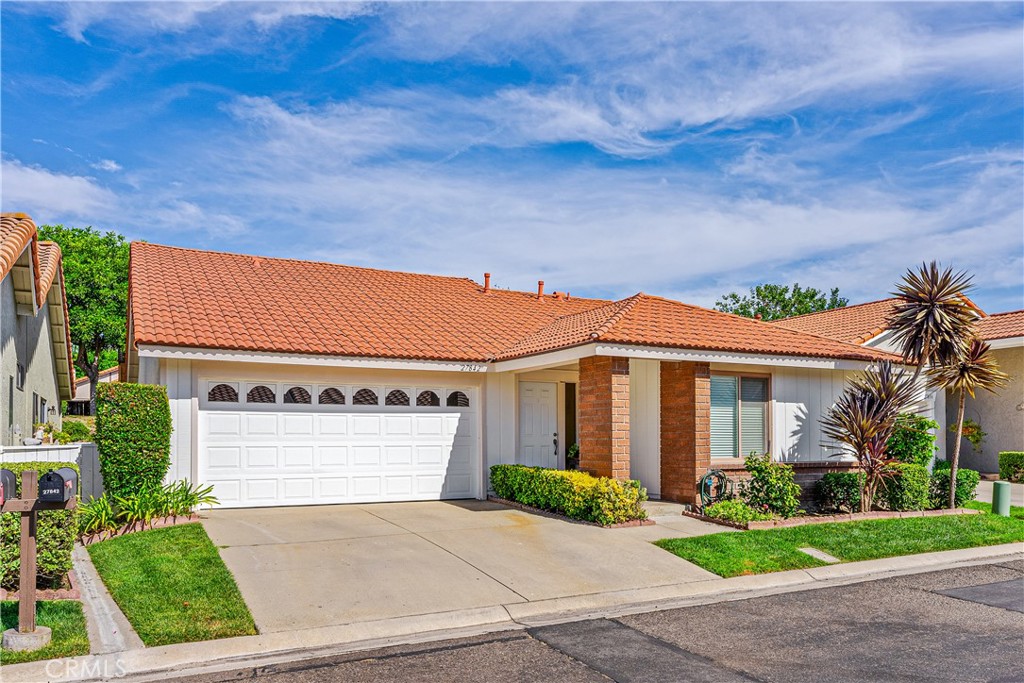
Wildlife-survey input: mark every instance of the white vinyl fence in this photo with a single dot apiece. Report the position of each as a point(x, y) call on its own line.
point(85, 455)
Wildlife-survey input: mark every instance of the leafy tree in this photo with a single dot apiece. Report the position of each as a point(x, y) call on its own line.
point(96, 280)
point(974, 369)
point(933, 324)
point(864, 417)
point(773, 302)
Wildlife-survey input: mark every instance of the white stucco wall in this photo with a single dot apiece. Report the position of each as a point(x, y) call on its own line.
point(1001, 415)
point(25, 339)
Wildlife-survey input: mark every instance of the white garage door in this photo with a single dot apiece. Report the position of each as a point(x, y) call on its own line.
point(280, 443)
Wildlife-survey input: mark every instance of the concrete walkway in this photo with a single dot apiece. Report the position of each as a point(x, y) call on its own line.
point(308, 567)
point(1016, 493)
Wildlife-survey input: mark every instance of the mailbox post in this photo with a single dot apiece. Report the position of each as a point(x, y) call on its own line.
point(29, 636)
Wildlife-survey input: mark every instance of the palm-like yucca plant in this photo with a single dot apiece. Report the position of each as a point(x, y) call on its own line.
point(863, 419)
point(972, 370)
point(933, 323)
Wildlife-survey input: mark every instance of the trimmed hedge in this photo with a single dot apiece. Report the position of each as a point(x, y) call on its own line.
point(912, 440)
point(56, 531)
point(966, 485)
point(840, 491)
point(906, 487)
point(1011, 466)
point(133, 433)
point(573, 494)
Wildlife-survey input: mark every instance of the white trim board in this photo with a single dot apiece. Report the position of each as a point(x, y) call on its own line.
point(536, 362)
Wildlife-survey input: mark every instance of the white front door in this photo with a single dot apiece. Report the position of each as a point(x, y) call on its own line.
point(538, 424)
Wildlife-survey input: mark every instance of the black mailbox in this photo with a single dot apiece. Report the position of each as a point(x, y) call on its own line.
point(8, 486)
point(58, 486)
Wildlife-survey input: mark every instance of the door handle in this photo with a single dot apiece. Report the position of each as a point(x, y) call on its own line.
point(555, 442)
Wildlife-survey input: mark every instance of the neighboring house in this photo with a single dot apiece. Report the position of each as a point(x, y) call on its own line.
point(1001, 415)
point(79, 405)
point(294, 382)
point(35, 344)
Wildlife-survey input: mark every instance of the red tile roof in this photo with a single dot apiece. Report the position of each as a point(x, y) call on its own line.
point(645, 320)
point(1002, 325)
point(201, 299)
point(853, 324)
point(861, 322)
point(18, 231)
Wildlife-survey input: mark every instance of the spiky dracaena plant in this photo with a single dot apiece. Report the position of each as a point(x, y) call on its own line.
point(863, 419)
point(933, 323)
point(965, 374)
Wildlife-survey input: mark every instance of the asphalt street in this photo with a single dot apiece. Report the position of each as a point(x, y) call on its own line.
point(959, 625)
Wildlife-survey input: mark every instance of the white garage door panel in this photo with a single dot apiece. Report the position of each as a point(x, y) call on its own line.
point(282, 455)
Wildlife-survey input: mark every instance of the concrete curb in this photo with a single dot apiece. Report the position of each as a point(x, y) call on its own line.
point(151, 664)
point(108, 627)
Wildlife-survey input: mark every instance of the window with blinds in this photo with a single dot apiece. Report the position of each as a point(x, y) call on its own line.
point(739, 415)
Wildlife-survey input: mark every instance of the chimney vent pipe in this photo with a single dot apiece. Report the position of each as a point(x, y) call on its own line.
point(540, 289)
point(487, 282)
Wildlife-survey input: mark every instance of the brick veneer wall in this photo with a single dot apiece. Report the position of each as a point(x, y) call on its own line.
point(685, 428)
point(603, 428)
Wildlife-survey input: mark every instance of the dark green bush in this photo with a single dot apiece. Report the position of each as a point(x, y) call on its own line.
point(133, 433)
point(573, 494)
point(771, 487)
point(76, 431)
point(55, 535)
point(912, 440)
point(966, 485)
point(735, 510)
point(942, 466)
point(840, 491)
point(1011, 466)
point(906, 487)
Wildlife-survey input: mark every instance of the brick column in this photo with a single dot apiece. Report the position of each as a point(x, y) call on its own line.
point(685, 428)
point(603, 427)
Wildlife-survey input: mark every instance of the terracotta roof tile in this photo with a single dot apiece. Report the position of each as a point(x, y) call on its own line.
point(854, 324)
point(17, 231)
point(645, 320)
point(185, 297)
point(1002, 325)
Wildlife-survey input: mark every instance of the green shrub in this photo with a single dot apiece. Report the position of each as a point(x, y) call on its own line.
point(771, 486)
point(133, 433)
point(573, 494)
point(912, 440)
point(966, 485)
point(1011, 466)
point(906, 487)
point(942, 466)
point(75, 431)
point(735, 510)
point(55, 535)
point(840, 491)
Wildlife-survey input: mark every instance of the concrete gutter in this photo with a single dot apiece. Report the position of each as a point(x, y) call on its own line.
point(109, 630)
point(158, 663)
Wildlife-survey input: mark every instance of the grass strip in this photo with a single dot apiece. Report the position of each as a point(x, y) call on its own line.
point(172, 585)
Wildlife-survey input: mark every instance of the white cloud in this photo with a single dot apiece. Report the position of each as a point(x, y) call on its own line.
point(131, 20)
point(45, 194)
point(107, 165)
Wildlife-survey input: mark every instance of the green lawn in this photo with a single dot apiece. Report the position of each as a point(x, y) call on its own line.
point(172, 585)
point(64, 617)
point(772, 550)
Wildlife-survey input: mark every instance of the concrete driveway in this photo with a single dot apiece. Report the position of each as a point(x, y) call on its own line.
point(307, 567)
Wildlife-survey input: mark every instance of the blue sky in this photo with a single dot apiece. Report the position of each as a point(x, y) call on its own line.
point(680, 149)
